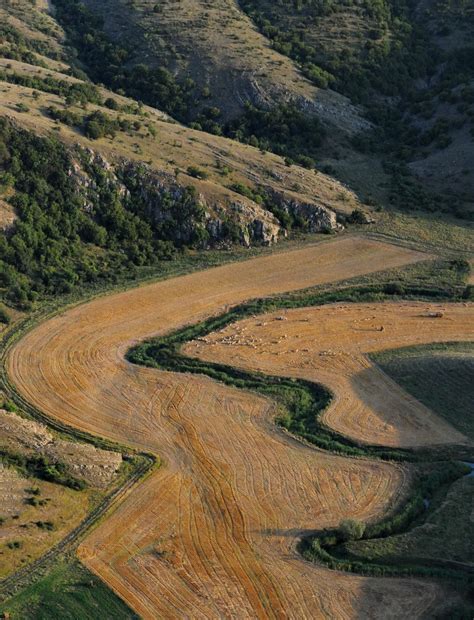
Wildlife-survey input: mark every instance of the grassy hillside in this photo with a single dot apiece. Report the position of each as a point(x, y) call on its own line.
point(432, 539)
point(409, 63)
point(440, 376)
point(143, 138)
point(130, 185)
point(216, 46)
point(280, 77)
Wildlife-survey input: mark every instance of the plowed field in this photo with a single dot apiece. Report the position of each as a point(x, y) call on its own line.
point(211, 534)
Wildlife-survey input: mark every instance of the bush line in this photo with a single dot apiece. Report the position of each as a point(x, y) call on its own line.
point(301, 404)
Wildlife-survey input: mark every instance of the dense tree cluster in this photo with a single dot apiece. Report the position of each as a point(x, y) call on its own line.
point(386, 64)
point(114, 65)
point(284, 129)
point(56, 244)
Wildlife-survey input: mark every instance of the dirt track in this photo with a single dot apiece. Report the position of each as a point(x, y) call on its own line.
point(212, 533)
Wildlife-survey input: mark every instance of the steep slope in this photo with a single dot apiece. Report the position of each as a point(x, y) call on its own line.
point(410, 63)
point(217, 46)
point(444, 108)
point(226, 168)
point(133, 184)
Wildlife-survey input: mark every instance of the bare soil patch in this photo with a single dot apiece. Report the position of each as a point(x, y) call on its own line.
point(95, 466)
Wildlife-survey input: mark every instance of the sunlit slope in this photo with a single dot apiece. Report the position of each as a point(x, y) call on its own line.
point(216, 45)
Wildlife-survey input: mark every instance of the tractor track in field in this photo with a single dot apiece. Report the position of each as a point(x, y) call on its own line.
point(212, 533)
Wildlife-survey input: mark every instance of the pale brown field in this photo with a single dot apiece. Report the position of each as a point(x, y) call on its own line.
point(329, 344)
point(212, 533)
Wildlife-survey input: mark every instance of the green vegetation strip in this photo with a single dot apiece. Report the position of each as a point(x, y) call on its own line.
point(67, 592)
point(330, 546)
point(301, 402)
point(300, 405)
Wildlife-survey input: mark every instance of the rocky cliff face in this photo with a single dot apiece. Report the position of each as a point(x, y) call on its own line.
point(184, 211)
point(316, 217)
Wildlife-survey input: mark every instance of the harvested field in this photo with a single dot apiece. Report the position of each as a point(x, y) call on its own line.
point(211, 534)
point(329, 344)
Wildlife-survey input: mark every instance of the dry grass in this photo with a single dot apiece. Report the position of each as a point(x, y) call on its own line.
point(175, 148)
point(219, 47)
point(63, 507)
point(33, 21)
point(7, 214)
point(212, 533)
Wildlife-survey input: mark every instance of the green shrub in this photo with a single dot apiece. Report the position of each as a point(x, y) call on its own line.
point(357, 217)
point(469, 292)
point(111, 104)
point(350, 529)
point(196, 172)
point(393, 288)
point(4, 316)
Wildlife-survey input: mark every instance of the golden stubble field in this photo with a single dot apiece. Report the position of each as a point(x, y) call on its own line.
point(212, 533)
point(329, 344)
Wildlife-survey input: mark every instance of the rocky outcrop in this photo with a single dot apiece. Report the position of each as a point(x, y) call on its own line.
point(189, 213)
point(316, 217)
point(238, 220)
point(255, 223)
point(93, 465)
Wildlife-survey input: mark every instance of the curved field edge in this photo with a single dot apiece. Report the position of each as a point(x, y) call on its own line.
point(139, 465)
point(439, 376)
point(142, 463)
point(300, 404)
point(431, 488)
